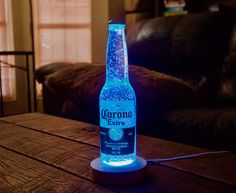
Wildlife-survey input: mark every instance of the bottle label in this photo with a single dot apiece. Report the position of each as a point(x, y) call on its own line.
point(117, 127)
point(117, 141)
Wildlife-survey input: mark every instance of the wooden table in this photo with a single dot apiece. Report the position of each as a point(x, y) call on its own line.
point(42, 153)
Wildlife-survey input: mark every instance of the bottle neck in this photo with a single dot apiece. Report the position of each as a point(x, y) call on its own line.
point(117, 56)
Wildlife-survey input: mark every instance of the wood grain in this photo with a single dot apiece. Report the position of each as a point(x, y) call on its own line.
point(212, 167)
point(161, 179)
point(75, 130)
point(50, 142)
point(22, 174)
point(51, 149)
point(220, 167)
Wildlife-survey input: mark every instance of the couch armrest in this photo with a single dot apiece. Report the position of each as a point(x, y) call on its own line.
point(45, 70)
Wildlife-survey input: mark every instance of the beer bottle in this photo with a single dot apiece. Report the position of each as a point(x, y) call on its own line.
point(117, 103)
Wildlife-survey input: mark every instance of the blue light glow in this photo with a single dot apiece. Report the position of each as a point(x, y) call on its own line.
point(116, 26)
point(117, 104)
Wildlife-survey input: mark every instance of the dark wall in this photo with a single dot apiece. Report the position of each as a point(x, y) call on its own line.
point(196, 6)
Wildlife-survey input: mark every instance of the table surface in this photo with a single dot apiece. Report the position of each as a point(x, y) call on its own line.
point(44, 153)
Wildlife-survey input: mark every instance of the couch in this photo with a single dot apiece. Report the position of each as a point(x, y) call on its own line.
point(183, 70)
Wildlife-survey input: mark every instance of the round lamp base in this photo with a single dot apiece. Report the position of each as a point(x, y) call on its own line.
point(129, 174)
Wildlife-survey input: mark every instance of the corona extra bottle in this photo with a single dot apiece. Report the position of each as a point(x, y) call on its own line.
point(117, 103)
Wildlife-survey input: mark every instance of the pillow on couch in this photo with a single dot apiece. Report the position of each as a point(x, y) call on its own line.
point(80, 86)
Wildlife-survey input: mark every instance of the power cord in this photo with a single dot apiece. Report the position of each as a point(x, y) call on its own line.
point(157, 161)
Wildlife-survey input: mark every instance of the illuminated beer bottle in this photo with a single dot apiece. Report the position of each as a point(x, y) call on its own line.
point(117, 103)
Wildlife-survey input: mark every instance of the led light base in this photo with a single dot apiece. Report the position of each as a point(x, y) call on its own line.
point(129, 174)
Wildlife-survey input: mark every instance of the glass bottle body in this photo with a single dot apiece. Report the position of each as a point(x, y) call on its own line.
point(117, 104)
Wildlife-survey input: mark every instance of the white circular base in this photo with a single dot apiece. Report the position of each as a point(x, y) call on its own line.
point(132, 173)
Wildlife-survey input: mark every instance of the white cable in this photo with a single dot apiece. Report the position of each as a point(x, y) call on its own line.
point(156, 161)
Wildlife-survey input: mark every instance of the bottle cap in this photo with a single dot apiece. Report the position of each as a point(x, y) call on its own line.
point(116, 25)
point(116, 22)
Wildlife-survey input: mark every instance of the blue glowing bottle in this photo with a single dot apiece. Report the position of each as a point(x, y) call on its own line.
point(117, 103)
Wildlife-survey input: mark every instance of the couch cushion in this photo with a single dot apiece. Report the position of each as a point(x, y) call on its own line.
point(227, 89)
point(207, 127)
point(190, 47)
point(80, 86)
